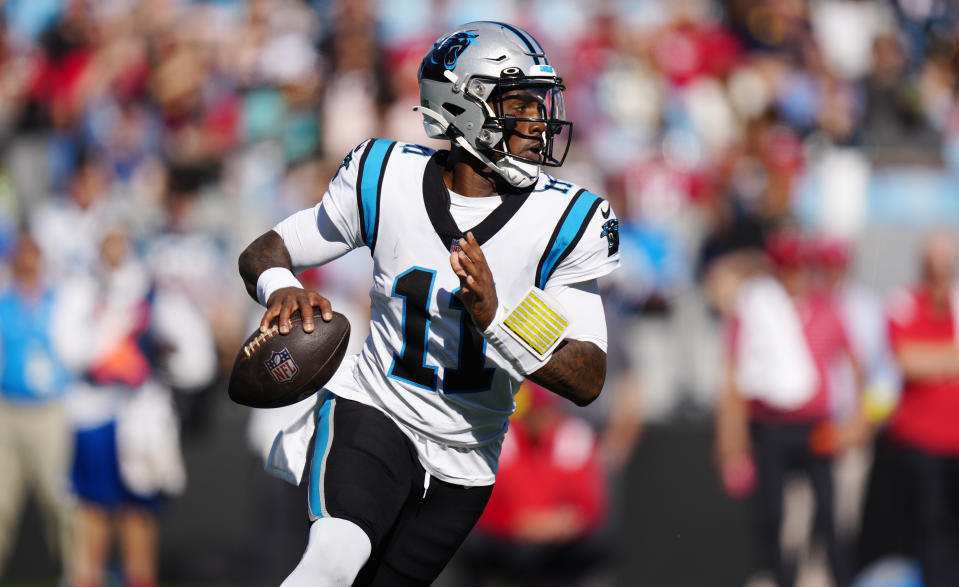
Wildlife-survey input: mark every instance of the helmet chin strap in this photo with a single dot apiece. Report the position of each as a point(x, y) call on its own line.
point(436, 125)
point(517, 173)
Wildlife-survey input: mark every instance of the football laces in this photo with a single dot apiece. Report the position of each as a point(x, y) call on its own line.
point(254, 344)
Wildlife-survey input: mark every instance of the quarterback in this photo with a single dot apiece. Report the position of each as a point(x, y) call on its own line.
point(484, 275)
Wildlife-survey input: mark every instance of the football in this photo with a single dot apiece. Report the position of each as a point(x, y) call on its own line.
point(274, 370)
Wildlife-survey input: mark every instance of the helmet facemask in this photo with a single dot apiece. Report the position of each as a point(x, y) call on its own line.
point(533, 106)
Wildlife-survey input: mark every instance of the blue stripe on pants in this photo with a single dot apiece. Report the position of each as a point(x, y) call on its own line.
point(321, 448)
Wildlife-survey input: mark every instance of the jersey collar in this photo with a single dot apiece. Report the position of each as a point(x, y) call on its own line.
point(436, 197)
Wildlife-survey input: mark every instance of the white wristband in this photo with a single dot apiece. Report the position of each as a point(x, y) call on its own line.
point(273, 279)
point(527, 335)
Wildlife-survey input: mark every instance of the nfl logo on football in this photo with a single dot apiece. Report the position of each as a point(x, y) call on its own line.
point(281, 366)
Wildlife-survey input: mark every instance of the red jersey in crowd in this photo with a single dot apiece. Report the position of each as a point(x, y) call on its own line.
point(556, 471)
point(928, 414)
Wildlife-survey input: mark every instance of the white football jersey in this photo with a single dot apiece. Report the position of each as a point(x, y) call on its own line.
point(424, 363)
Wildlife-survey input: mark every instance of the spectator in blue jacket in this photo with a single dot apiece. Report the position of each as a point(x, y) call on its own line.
point(35, 437)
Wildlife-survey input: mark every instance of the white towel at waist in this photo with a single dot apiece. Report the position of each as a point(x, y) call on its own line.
point(774, 363)
point(291, 447)
point(148, 442)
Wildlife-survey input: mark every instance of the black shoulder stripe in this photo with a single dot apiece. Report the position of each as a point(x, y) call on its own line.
point(567, 234)
point(369, 187)
point(359, 188)
point(379, 191)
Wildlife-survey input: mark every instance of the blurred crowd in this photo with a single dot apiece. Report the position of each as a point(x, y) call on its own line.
point(144, 143)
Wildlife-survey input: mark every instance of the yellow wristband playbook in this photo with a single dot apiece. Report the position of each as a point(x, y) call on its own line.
point(528, 334)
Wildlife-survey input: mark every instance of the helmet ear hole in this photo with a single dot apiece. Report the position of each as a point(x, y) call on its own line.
point(485, 137)
point(453, 109)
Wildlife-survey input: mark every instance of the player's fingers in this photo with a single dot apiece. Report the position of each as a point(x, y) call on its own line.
point(479, 272)
point(326, 308)
point(268, 316)
point(457, 265)
point(472, 250)
point(477, 259)
point(476, 251)
point(273, 306)
point(305, 303)
point(469, 271)
point(463, 247)
point(477, 289)
point(473, 284)
point(469, 267)
point(289, 306)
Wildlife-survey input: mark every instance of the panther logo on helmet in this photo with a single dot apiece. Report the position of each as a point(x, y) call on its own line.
point(447, 53)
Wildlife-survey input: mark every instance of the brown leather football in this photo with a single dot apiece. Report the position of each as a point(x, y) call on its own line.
point(274, 370)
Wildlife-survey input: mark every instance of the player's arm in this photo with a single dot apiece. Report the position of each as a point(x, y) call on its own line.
point(857, 430)
point(731, 419)
point(305, 239)
point(576, 369)
point(918, 358)
point(267, 272)
point(927, 361)
point(266, 252)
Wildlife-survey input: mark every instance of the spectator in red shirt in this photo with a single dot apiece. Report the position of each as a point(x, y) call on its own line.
point(542, 523)
point(774, 417)
point(925, 426)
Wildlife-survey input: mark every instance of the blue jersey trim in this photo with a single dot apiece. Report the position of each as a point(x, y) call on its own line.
point(567, 234)
point(372, 168)
point(324, 434)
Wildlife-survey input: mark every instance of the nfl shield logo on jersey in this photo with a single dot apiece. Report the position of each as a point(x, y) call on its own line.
point(281, 366)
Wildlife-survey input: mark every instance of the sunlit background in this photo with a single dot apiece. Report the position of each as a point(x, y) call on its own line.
point(144, 144)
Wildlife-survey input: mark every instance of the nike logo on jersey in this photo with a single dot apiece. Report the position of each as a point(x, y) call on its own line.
point(606, 212)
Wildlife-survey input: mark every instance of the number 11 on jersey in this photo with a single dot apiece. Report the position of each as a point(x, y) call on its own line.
point(415, 287)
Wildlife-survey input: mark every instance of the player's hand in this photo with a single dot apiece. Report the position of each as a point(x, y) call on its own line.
point(826, 439)
point(287, 300)
point(477, 289)
point(856, 432)
point(738, 476)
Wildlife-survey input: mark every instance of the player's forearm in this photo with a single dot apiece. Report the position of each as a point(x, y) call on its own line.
point(928, 361)
point(266, 251)
point(576, 371)
point(731, 421)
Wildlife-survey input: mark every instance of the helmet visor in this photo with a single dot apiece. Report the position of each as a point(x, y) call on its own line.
point(532, 117)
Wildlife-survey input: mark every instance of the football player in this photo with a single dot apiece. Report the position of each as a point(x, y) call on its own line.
point(484, 275)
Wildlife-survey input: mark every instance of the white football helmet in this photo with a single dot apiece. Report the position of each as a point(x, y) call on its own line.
point(463, 80)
